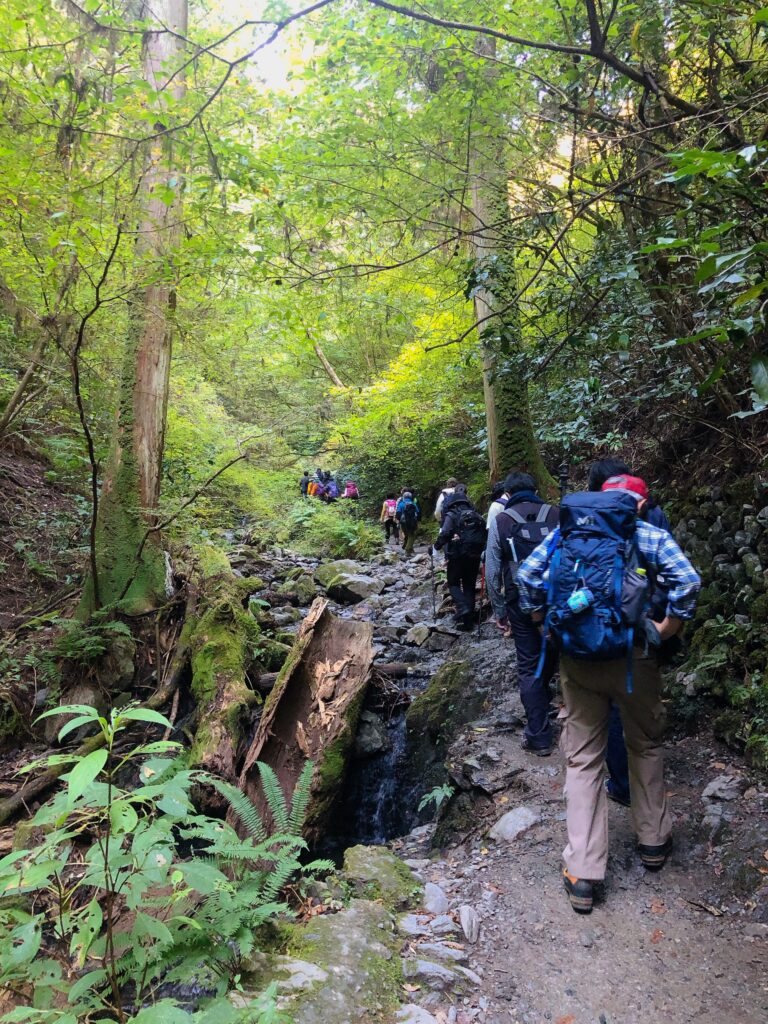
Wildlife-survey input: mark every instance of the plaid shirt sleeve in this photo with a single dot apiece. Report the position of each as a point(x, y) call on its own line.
point(662, 552)
point(532, 575)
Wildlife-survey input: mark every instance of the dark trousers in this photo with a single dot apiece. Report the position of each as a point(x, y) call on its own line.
point(534, 693)
point(616, 755)
point(462, 576)
point(391, 528)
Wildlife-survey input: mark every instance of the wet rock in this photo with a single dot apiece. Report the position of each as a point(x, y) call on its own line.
point(470, 922)
point(514, 823)
point(285, 616)
point(418, 634)
point(724, 787)
point(439, 641)
point(435, 900)
point(372, 735)
point(299, 591)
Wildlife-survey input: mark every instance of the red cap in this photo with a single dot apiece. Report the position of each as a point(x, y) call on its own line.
point(633, 485)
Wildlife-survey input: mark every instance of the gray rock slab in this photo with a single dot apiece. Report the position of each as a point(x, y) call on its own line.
point(433, 975)
point(418, 634)
point(440, 951)
point(724, 787)
point(470, 922)
point(413, 1014)
point(514, 823)
point(435, 900)
point(443, 924)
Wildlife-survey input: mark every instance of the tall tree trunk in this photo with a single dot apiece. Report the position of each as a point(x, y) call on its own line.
point(511, 442)
point(131, 489)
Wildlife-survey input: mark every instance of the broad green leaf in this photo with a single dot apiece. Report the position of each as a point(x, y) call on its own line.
point(760, 377)
point(73, 724)
point(144, 715)
point(122, 816)
point(70, 709)
point(84, 773)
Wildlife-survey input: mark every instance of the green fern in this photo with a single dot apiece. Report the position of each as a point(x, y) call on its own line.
point(275, 797)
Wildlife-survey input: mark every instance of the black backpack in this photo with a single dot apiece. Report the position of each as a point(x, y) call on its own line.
point(472, 534)
point(409, 516)
point(526, 526)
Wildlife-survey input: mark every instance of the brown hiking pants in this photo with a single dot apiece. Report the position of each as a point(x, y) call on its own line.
point(588, 689)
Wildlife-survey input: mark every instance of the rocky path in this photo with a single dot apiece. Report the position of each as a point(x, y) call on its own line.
point(492, 937)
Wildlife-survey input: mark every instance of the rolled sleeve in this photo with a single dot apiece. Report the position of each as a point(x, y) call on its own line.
point(681, 581)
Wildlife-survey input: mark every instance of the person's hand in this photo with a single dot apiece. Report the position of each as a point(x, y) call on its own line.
point(668, 627)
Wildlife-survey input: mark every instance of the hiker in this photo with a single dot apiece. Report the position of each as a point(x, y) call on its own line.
point(588, 584)
point(515, 533)
point(499, 498)
point(408, 516)
point(388, 518)
point(463, 536)
point(350, 490)
point(617, 783)
point(450, 487)
point(331, 490)
point(304, 483)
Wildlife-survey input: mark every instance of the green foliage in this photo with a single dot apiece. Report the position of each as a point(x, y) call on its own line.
point(110, 846)
point(436, 796)
point(328, 531)
point(84, 644)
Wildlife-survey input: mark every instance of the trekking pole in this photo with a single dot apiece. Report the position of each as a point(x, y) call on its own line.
point(432, 566)
point(563, 472)
point(482, 597)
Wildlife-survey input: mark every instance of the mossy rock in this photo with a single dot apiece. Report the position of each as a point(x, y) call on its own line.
point(339, 969)
point(326, 573)
point(300, 590)
point(376, 873)
point(450, 700)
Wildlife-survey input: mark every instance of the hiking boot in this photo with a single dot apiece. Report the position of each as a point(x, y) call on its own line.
point(615, 794)
point(545, 751)
point(581, 892)
point(655, 857)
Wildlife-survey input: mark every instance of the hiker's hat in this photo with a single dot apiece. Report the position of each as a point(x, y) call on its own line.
point(627, 484)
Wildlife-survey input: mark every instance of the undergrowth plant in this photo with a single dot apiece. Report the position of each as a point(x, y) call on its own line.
point(330, 531)
point(125, 891)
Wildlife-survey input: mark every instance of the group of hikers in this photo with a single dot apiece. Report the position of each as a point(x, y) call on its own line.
point(401, 514)
point(598, 590)
point(324, 486)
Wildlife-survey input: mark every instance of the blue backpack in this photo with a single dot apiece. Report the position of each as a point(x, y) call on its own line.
point(598, 590)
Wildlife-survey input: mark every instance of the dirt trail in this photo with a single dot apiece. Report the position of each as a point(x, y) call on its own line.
point(688, 943)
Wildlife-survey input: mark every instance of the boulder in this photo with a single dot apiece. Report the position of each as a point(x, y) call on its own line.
point(435, 900)
point(299, 591)
point(372, 735)
point(376, 873)
point(326, 572)
point(83, 693)
point(724, 787)
point(349, 588)
point(340, 969)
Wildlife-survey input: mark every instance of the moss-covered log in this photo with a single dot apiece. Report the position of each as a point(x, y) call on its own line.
point(223, 639)
point(312, 712)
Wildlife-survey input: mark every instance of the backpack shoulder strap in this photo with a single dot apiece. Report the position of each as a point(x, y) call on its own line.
point(543, 514)
point(514, 515)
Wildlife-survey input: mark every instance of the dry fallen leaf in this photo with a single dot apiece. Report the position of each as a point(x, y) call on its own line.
point(657, 907)
point(569, 1019)
point(301, 739)
point(765, 855)
point(657, 936)
point(411, 988)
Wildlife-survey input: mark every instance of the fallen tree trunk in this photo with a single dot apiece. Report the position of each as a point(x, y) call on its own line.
point(222, 639)
point(312, 712)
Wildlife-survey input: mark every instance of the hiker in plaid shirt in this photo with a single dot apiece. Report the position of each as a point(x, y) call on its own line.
point(589, 687)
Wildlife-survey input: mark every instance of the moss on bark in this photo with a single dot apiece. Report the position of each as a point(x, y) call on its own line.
point(223, 640)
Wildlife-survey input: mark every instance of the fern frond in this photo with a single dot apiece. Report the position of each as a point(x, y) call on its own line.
point(300, 799)
point(275, 797)
point(243, 807)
